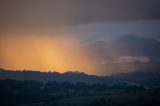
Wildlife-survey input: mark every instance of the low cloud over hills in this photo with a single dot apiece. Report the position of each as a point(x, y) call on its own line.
point(127, 53)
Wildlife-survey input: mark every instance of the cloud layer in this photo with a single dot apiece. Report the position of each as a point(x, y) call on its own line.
point(60, 12)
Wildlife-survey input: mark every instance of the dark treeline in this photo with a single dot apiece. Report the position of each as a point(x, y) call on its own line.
point(14, 93)
point(147, 79)
point(69, 76)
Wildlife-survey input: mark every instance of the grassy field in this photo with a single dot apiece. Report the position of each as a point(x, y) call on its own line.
point(143, 98)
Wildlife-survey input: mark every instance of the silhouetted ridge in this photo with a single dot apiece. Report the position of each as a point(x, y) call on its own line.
point(70, 76)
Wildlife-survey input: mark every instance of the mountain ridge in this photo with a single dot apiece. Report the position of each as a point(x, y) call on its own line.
point(72, 77)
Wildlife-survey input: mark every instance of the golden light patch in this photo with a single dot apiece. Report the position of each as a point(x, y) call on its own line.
point(43, 53)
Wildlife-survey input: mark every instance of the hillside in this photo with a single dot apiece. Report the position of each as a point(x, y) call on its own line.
point(150, 79)
point(72, 77)
point(144, 98)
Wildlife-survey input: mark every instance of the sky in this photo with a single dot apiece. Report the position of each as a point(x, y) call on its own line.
point(46, 34)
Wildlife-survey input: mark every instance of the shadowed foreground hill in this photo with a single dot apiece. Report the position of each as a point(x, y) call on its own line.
point(143, 98)
point(17, 93)
point(30, 88)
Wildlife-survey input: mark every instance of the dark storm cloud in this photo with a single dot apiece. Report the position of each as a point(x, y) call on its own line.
point(64, 12)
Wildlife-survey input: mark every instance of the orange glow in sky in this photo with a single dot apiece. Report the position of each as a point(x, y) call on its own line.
point(43, 53)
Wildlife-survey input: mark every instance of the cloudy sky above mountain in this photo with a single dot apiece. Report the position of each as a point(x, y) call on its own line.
point(57, 15)
point(24, 23)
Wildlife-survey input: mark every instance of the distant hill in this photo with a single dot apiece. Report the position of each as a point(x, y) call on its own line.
point(127, 45)
point(150, 79)
point(72, 77)
point(127, 54)
point(136, 46)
